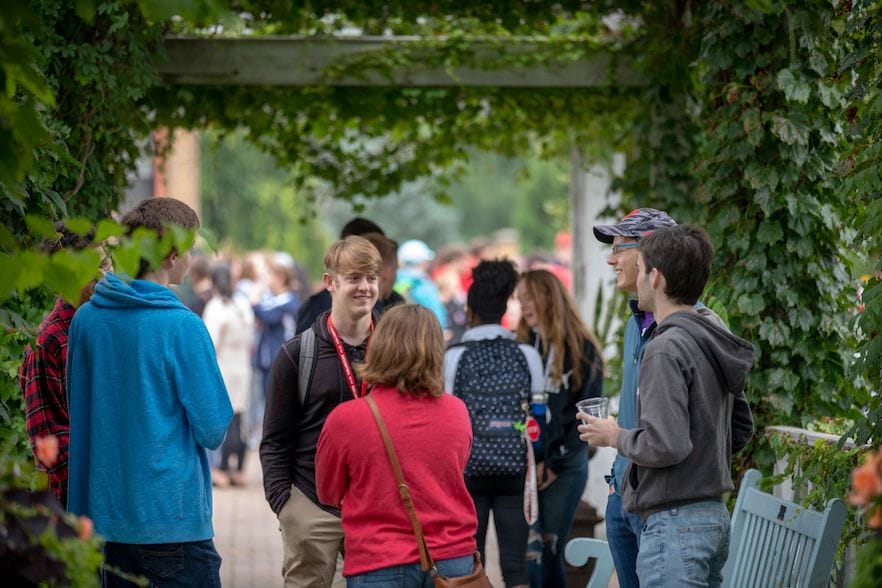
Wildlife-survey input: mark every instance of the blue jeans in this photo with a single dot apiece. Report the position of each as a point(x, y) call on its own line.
point(685, 546)
point(411, 576)
point(623, 534)
point(195, 563)
point(557, 508)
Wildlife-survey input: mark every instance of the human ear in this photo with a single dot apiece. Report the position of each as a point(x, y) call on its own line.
point(655, 278)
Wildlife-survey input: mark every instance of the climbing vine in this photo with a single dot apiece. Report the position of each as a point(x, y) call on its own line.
point(770, 141)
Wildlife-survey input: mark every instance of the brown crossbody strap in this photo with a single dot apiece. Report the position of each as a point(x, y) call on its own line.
point(425, 559)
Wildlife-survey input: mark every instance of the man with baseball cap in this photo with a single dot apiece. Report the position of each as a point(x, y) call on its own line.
point(623, 528)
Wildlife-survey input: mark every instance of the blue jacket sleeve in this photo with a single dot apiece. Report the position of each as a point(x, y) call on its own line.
point(199, 383)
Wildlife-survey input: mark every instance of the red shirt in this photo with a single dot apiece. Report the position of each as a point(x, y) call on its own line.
point(42, 380)
point(433, 439)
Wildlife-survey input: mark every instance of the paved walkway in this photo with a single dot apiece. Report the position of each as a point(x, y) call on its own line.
point(247, 536)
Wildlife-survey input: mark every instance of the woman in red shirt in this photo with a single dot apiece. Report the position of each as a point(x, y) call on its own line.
point(432, 436)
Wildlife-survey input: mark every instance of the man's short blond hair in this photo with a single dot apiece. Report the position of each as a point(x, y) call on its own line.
point(353, 254)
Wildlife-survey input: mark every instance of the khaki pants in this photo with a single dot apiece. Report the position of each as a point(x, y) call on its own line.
point(313, 543)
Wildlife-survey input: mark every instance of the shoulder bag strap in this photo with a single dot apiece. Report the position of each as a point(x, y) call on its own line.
point(425, 559)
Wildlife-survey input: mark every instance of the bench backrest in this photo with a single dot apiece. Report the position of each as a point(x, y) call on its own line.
point(775, 542)
point(581, 549)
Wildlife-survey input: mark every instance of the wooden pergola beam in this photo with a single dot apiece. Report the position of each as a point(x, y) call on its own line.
point(304, 61)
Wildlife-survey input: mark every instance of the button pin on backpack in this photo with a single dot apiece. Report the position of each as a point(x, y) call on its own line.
point(533, 430)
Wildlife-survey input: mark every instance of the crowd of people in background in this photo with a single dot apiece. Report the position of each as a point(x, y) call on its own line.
point(161, 383)
point(266, 297)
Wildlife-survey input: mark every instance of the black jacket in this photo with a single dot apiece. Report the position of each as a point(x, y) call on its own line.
point(291, 431)
point(562, 446)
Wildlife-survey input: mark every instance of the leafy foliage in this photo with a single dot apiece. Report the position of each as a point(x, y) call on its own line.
point(862, 184)
point(806, 465)
point(251, 202)
point(770, 142)
point(41, 544)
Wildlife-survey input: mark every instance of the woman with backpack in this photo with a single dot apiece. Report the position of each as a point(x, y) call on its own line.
point(496, 378)
point(573, 371)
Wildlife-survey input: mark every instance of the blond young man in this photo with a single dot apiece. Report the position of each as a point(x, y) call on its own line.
point(310, 376)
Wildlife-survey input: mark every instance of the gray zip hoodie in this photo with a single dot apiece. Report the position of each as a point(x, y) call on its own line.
point(692, 415)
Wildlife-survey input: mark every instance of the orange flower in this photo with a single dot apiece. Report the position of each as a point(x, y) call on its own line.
point(866, 489)
point(46, 450)
point(865, 482)
point(875, 520)
point(86, 527)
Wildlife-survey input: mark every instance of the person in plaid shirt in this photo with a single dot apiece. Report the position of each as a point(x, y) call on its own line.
point(42, 373)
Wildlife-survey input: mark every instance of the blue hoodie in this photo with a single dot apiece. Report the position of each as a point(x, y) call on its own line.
point(146, 399)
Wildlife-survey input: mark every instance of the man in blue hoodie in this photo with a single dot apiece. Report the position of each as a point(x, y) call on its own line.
point(692, 416)
point(146, 400)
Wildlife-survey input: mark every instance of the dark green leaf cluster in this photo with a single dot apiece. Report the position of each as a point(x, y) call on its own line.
point(770, 143)
point(403, 17)
point(40, 543)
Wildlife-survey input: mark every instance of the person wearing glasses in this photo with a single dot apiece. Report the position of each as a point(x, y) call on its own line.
point(623, 528)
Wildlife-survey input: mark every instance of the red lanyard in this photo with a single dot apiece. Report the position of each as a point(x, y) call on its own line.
point(344, 359)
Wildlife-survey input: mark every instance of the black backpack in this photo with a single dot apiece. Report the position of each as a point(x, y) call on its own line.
point(493, 379)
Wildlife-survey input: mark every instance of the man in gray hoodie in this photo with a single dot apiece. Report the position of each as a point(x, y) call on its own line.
point(692, 416)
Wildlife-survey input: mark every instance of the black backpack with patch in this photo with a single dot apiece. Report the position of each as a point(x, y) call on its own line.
point(493, 379)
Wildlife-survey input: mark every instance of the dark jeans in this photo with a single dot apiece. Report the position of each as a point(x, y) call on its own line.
point(411, 575)
point(623, 534)
point(557, 508)
point(504, 495)
point(234, 444)
point(164, 564)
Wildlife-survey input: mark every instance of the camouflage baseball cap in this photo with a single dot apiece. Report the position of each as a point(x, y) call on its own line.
point(640, 222)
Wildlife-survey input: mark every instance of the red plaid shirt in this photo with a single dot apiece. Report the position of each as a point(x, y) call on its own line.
point(42, 380)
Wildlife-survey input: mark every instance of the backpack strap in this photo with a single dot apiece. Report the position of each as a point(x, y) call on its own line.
point(305, 363)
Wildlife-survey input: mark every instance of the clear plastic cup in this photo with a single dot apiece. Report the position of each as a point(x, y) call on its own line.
point(598, 407)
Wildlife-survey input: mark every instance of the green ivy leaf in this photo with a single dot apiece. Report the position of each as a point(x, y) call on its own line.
point(775, 333)
point(783, 379)
point(40, 226)
point(751, 304)
point(793, 87)
point(32, 270)
point(7, 240)
point(10, 268)
point(789, 131)
point(106, 229)
point(86, 9)
point(770, 233)
point(78, 225)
